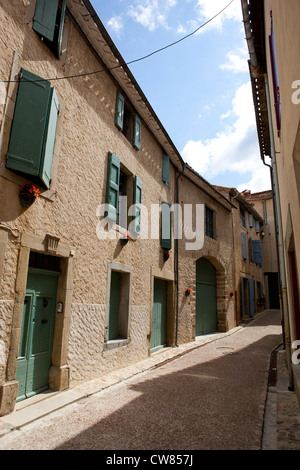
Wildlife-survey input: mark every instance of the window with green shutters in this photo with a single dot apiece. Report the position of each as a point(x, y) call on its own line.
point(137, 201)
point(112, 188)
point(166, 170)
point(48, 22)
point(166, 226)
point(32, 137)
point(121, 183)
point(127, 121)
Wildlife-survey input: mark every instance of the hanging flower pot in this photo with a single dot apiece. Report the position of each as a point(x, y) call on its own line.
point(166, 255)
point(187, 291)
point(28, 194)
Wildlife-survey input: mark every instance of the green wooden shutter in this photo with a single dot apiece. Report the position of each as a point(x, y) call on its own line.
point(119, 116)
point(61, 28)
point(166, 170)
point(166, 226)
point(29, 124)
point(112, 189)
point(244, 246)
point(45, 18)
point(113, 321)
point(46, 164)
point(137, 132)
point(257, 252)
point(137, 201)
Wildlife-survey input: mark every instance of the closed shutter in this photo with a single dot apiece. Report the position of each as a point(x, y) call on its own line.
point(251, 249)
point(112, 188)
point(46, 164)
point(137, 201)
point(119, 116)
point(166, 170)
point(166, 226)
point(137, 132)
point(29, 124)
point(45, 18)
point(61, 28)
point(257, 252)
point(257, 229)
point(251, 224)
point(244, 246)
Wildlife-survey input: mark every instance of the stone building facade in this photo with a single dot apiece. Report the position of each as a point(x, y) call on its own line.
point(273, 41)
point(263, 204)
point(248, 283)
point(92, 274)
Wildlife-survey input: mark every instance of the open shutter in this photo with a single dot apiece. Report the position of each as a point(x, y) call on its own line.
point(45, 18)
point(166, 170)
point(46, 164)
point(29, 124)
point(137, 201)
point(137, 132)
point(61, 28)
point(112, 188)
point(119, 116)
point(166, 226)
point(244, 246)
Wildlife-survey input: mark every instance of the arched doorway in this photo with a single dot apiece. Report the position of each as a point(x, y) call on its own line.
point(206, 297)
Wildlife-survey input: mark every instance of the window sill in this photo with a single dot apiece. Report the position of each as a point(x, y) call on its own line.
point(116, 343)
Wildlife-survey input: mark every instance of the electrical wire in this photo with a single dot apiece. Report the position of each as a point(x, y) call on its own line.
point(132, 61)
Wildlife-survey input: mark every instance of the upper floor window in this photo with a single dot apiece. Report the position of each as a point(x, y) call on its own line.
point(209, 222)
point(33, 131)
point(242, 217)
point(123, 192)
point(48, 22)
point(127, 121)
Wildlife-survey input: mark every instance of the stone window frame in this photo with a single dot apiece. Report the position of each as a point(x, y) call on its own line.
point(127, 271)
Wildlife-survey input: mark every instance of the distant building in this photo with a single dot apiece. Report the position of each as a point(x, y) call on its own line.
point(263, 204)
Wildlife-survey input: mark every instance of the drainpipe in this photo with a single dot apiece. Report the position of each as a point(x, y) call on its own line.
point(279, 246)
point(177, 258)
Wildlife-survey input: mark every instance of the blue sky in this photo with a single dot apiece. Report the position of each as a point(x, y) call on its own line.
point(200, 88)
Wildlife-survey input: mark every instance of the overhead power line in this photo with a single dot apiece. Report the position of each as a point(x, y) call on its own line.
point(134, 60)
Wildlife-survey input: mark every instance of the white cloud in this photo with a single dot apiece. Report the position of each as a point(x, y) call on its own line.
point(115, 24)
point(208, 9)
point(236, 62)
point(235, 150)
point(151, 13)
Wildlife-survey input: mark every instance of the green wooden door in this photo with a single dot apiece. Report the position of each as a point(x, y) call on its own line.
point(159, 315)
point(206, 297)
point(35, 348)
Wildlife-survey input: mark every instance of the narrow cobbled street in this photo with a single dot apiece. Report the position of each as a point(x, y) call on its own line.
point(213, 397)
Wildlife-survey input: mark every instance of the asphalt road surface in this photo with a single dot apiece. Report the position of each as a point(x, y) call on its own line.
point(211, 398)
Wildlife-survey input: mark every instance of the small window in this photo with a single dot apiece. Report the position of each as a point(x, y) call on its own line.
point(118, 306)
point(127, 121)
point(166, 170)
point(33, 131)
point(242, 217)
point(209, 222)
point(48, 22)
point(166, 226)
point(123, 191)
